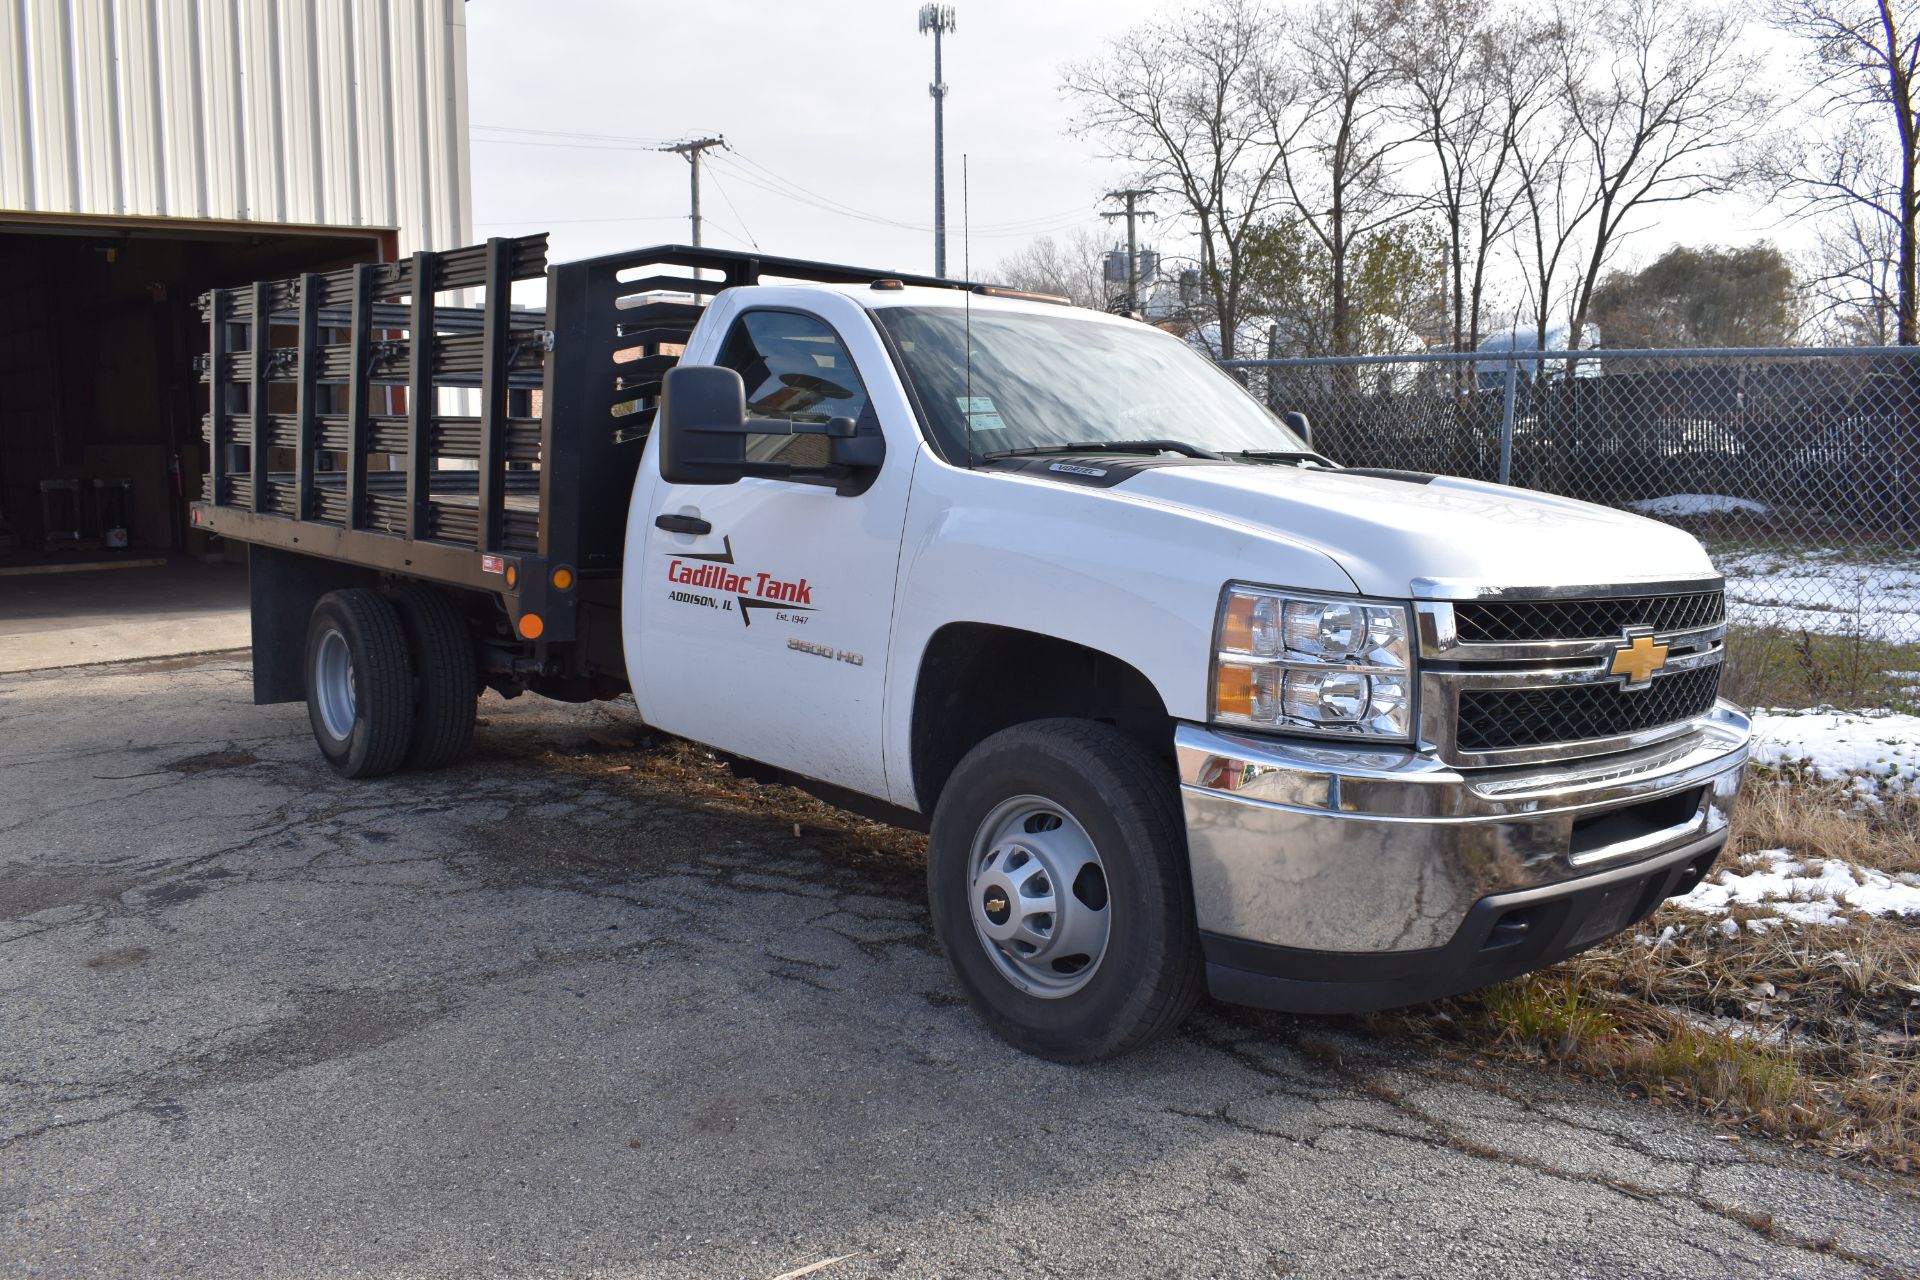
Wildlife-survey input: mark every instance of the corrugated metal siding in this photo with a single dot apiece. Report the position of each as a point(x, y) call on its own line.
point(348, 113)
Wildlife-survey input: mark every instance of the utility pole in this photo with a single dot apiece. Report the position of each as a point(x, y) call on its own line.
point(938, 18)
point(691, 150)
point(1131, 196)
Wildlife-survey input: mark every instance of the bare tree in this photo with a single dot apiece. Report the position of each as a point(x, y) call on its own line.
point(1072, 267)
point(1186, 101)
point(1472, 80)
point(1659, 93)
point(1850, 283)
point(1339, 138)
point(1557, 197)
point(1858, 148)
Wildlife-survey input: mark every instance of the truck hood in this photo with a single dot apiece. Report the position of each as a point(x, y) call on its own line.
point(1388, 534)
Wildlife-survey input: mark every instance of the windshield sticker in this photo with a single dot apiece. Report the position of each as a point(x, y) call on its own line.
point(981, 415)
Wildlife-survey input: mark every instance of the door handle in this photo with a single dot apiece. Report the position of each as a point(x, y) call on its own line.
point(682, 524)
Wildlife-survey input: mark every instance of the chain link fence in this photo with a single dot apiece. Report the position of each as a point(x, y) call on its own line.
point(1796, 466)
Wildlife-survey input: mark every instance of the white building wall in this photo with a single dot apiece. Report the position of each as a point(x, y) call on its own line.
point(342, 113)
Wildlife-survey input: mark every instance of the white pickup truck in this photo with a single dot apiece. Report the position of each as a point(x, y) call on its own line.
point(1181, 702)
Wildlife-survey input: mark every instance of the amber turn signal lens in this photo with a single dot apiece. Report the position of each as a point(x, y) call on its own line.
point(513, 576)
point(562, 578)
point(531, 626)
point(1236, 629)
point(1233, 691)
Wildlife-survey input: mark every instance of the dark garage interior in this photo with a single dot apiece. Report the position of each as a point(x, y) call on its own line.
point(100, 406)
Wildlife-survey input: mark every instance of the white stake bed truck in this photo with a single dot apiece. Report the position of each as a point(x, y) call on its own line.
point(1179, 701)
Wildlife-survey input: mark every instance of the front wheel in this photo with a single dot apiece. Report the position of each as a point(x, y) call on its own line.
point(1057, 877)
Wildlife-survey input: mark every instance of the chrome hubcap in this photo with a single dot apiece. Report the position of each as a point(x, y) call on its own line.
point(1038, 897)
point(333, 685)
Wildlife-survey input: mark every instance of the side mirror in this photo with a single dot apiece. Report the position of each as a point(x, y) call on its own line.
point(703, 425)
point(704, 429)
point(1297, 423)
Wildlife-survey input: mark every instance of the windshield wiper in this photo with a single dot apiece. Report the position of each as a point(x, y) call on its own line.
point(1105, 446)
point(1281, 455)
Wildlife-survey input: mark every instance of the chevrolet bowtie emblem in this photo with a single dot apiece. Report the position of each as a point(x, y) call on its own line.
point(1637, 660)
point(996, 903)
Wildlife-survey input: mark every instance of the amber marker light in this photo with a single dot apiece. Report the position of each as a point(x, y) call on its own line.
point(1236, 628)
point(531, 626)
point(513, 576)
point(562, 579)
point(1233, 691)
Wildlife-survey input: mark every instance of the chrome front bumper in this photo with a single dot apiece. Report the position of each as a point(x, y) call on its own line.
point(1308, 856)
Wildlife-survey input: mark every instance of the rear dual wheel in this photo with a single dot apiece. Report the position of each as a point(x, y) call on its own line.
point(391, 680)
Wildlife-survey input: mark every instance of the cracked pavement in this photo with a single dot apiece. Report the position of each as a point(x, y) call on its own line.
point(510, 1020)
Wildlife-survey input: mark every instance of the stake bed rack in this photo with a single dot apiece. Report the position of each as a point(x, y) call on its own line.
point(335, 401)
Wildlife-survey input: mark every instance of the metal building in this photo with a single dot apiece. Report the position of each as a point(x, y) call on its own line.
point(151, 149)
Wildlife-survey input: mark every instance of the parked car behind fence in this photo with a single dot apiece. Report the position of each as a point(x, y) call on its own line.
point(1810, 452)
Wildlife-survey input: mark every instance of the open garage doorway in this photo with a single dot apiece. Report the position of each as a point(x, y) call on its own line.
point(100, 436)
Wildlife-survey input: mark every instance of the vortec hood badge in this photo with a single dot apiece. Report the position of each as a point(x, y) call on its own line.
point(1075, 469)
point(1637, 660)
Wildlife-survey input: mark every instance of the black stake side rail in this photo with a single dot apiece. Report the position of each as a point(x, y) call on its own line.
point(612, 328)
point(448, 526)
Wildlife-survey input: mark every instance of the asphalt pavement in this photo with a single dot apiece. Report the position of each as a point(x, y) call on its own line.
point(522, 1018)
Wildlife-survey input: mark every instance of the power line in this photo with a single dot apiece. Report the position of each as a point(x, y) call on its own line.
point(568, 146)
point(792, 190)
point(717, 186)
point(565, 133)
point(557, 222)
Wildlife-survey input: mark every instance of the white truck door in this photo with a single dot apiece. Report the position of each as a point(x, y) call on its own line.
point(766, 635)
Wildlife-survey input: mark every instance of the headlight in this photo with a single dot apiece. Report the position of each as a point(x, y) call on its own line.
point(1313, 664)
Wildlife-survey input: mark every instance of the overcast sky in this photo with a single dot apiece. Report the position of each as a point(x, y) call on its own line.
point(825, 104)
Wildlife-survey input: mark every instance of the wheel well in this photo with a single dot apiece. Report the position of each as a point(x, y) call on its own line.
point(976, 679)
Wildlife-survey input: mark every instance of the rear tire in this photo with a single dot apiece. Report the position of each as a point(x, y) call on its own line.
point(359, 683)
point(446, 680)
point(1065, 836)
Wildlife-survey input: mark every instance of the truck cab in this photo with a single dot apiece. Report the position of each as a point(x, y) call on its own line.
point(1181, 702)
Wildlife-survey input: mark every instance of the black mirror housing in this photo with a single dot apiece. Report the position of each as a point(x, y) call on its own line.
point(703, 425)
point(704, 428)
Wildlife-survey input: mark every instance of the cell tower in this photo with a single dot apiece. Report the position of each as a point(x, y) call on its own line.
point(938, 18)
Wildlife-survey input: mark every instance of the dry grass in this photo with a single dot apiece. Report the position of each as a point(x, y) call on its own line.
point(1787, 809)
point(1808, 1032)
point(1773, 667)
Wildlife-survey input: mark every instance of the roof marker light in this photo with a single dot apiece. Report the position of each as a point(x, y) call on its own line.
point(998, 291)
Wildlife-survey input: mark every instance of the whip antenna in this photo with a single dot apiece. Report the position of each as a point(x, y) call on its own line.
point(966, 269)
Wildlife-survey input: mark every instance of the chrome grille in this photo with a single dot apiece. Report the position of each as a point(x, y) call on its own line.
point(1503, 719)
point(1522, 621)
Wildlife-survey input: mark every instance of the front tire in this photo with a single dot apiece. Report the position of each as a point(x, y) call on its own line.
point(359, 683)
point(1058, 883)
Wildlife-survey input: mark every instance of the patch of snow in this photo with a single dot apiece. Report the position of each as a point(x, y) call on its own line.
point(1675, 505)
point(1878, 751)
point(1817, 891)
point(1828, 590)
point(1721, 1025)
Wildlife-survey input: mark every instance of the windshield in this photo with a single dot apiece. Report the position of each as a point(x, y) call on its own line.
point(1040, 380)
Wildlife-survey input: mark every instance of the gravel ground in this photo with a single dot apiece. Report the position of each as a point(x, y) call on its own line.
point(527, 1019)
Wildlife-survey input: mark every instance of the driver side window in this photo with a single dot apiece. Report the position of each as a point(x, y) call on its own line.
point(794, 367)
